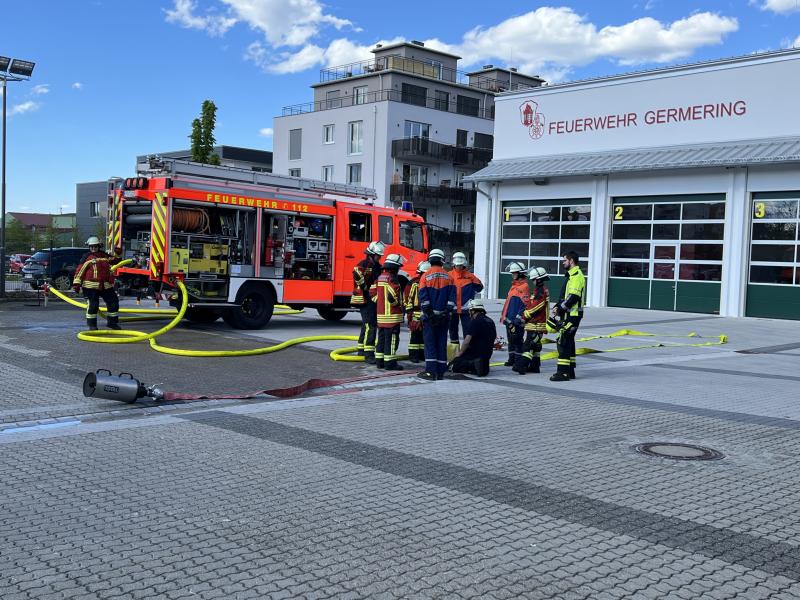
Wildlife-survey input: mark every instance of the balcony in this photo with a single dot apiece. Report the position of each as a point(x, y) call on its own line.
point(395, 62)
point(418, 147)
point(431, 194)
point(394, 96)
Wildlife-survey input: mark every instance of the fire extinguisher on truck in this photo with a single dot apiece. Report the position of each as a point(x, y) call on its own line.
point(243, 241)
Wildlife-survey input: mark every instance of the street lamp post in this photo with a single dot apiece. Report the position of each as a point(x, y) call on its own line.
point(10, 70)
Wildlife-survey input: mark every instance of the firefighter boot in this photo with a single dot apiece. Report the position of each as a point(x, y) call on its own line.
point(392, 365)
point(91, 324)
point(572, 368)
point(535, 364)
point(113, 323)
point(512, 356)
point(369, 357)
point(521, 364)
point(379, 362)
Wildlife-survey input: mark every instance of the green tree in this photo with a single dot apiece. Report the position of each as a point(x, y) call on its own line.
point(202, 136)
point(18, 238)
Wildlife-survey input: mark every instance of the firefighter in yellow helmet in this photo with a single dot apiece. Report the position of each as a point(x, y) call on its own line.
point(95, 277)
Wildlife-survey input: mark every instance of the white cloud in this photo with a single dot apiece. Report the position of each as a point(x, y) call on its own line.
point(42, 88)
point(183, 14)
point(25, 107)
point(265, 132)
point(77, 85)
point(781, 6)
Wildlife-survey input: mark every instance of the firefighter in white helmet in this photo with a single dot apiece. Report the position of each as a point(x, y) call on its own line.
point(467, 286)
point(416, 346)
point(511, 316)
point(387, 295)
point(365, 273)
point(437, 299)
point(95, 276)
point(537, 307)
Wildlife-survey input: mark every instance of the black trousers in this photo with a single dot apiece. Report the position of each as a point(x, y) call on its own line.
point(388, 343)
point(472, 365)
point(416, 345)
point(109, 296)
point(529, 359)
point(369, 327)
point(455, 319)
point(566, 346)
point(515, 335)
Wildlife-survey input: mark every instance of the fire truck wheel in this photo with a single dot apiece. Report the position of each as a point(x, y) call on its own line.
point(329, 314)
point(257, 304)
point(201, 315)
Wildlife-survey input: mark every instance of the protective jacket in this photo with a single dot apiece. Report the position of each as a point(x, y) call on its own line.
point(388, 299)
point(573, 294)
point(365, 274)
point(515, 303)
point(411, 301)
point(437, 294)
point(536, 310)
point(94, 271)
point(467, 285)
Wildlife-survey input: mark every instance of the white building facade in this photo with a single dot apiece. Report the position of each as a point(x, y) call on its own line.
point(679, 187)
point(406, 123)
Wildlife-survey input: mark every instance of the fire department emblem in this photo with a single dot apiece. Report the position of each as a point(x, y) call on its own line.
point(532, 118)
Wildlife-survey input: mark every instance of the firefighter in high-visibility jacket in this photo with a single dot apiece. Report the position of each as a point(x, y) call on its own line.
point(569, 310)
point(511, 316)
point(437, 299)
point(95, 276)
point(416, 346)
point(467, 285)
point(537, 307)
point(365, 273)
point(387, 295)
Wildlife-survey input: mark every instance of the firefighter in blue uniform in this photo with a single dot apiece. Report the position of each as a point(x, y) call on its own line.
point(437, 299)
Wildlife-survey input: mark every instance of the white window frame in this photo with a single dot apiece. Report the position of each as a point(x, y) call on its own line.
point(94, 209)
point(355, 143)
point(327, 172)
point(350, 168)
point(458, 221)
point(330, 128)
point(294, 172)
point(360, 94)
point(417, 129)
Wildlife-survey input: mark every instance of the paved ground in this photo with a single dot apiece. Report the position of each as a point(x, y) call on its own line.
point(505, 487)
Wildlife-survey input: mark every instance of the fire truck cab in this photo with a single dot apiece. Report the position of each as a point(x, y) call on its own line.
point(242, 241)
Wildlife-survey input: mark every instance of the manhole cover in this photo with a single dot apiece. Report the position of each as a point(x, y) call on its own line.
point(678, 451)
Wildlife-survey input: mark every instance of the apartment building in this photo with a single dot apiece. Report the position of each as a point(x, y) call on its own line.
point(407, 123)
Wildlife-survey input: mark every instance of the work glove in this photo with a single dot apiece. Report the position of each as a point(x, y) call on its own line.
point(77, 288)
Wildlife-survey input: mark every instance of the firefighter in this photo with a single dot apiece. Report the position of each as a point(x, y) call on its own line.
point(534, 316)
point(416, 347)
point(365, 274)
point(570, 311)
point(388, 298)
point(437, 299)
point(476, 351)
point(467, 285)
point(511, 316)
point(94, 275)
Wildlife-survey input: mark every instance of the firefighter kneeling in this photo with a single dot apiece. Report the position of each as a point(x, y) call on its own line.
point(94, 275)
point(388, 298)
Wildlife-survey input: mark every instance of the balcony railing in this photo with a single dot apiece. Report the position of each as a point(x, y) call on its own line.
point(415, 67)
point(431, 194)
point(395, 96)
point(419, 147)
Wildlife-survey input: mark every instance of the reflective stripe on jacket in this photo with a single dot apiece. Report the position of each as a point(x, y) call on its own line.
point(365, 273)
point(437, 292)
point(388, 298)
point(537, 308)
point(94, 272)
point(515, 302)
point(467, 285)
point(411, 299)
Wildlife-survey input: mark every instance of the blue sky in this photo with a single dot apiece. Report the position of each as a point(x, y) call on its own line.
point(117, 78)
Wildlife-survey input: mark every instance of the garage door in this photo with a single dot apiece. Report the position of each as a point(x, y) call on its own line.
point(538, 233)
point(773, 288)
point(666, 252)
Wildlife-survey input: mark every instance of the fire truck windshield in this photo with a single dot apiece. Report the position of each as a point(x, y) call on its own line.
point(411, 235)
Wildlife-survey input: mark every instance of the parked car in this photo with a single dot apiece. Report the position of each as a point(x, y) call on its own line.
point(15, 262)
point(58, 265)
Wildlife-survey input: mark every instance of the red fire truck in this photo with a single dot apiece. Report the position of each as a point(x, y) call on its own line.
point(242, 241)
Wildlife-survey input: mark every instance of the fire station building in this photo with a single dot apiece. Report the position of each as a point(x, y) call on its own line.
point(678, 187)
